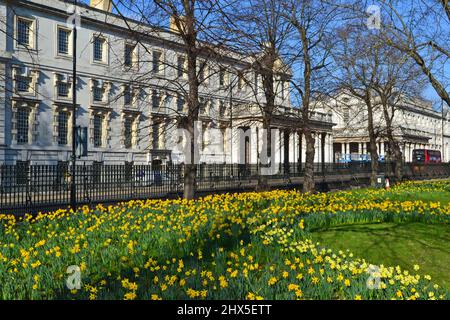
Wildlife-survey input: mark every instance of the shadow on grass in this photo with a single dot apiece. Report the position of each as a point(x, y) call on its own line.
point(392, 244)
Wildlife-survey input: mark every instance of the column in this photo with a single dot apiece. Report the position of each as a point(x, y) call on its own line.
point(318, 153)
point(342, 148)
point(327, 148)
point(330, 148)
point(303, 148)
point(360, 148)
point(277, 147)
point(382, 148)
point(292, 148)
point(254, 145)
point(348, 148)
point(235, 145)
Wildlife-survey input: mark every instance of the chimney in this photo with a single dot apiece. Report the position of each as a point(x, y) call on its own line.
point(173, 25)
point(105, 5)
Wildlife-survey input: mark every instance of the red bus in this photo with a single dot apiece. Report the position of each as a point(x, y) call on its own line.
point(426, 156)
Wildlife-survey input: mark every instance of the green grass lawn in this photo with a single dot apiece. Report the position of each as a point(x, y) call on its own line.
point(393, 244)
point(437, 196)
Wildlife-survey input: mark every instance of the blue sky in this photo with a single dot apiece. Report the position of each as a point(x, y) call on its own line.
point(428, 92)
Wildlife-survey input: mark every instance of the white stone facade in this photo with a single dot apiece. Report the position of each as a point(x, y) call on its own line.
point(129, 119)
point(416, 126)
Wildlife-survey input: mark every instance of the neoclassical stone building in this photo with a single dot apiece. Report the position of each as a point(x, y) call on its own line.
point(129, 93)
point(416, 126)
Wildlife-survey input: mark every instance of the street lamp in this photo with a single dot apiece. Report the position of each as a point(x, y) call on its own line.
point(73, 190)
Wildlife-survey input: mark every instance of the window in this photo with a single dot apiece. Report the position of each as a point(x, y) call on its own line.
point(241, 81)
point(97, 92)
point(222, 109)
point(22, 122)
point(128, 133)
point(99, 48)
point(222, 77)
point(202, 72)
point(202, 106)
point(24, 28)
point(181, 67)
point(180, 103)
point(127, 95)
point(156, 100)
point(129, 55)
point(63, 41)
point(23, 84)
point(155, 136)
point(63, 89)
point(156, 61)
point(98, 131)
point(63, 120)
point(168, 103)
point(346, 115)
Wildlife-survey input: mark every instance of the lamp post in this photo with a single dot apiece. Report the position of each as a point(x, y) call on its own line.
point(73, 187)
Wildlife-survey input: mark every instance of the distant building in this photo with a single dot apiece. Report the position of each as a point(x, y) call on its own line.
point(416, 126)
point(128, 119)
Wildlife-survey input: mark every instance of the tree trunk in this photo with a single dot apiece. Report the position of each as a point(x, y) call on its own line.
point(308, 182)
point(190, 40)
point(372, 142)
point(190, 171)
point(394, 148)
point(266, 165)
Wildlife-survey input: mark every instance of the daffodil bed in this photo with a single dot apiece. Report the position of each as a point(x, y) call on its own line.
point(233, 246)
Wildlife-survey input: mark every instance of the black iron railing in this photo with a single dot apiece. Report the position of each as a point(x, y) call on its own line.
point(30, 188)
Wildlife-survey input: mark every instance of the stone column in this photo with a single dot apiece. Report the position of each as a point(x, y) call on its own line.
point(303, 148)
point(292, 147)
point(253, 145)
point(327, 147)
point(382, 148)
point(318, 153)
point(360, 148)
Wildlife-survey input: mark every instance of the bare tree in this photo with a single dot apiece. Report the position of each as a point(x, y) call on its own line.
point(194, 34)
point(420, 30)
point(359, 67)
point(396, 79)
point(260, 32)
point(310, 54)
